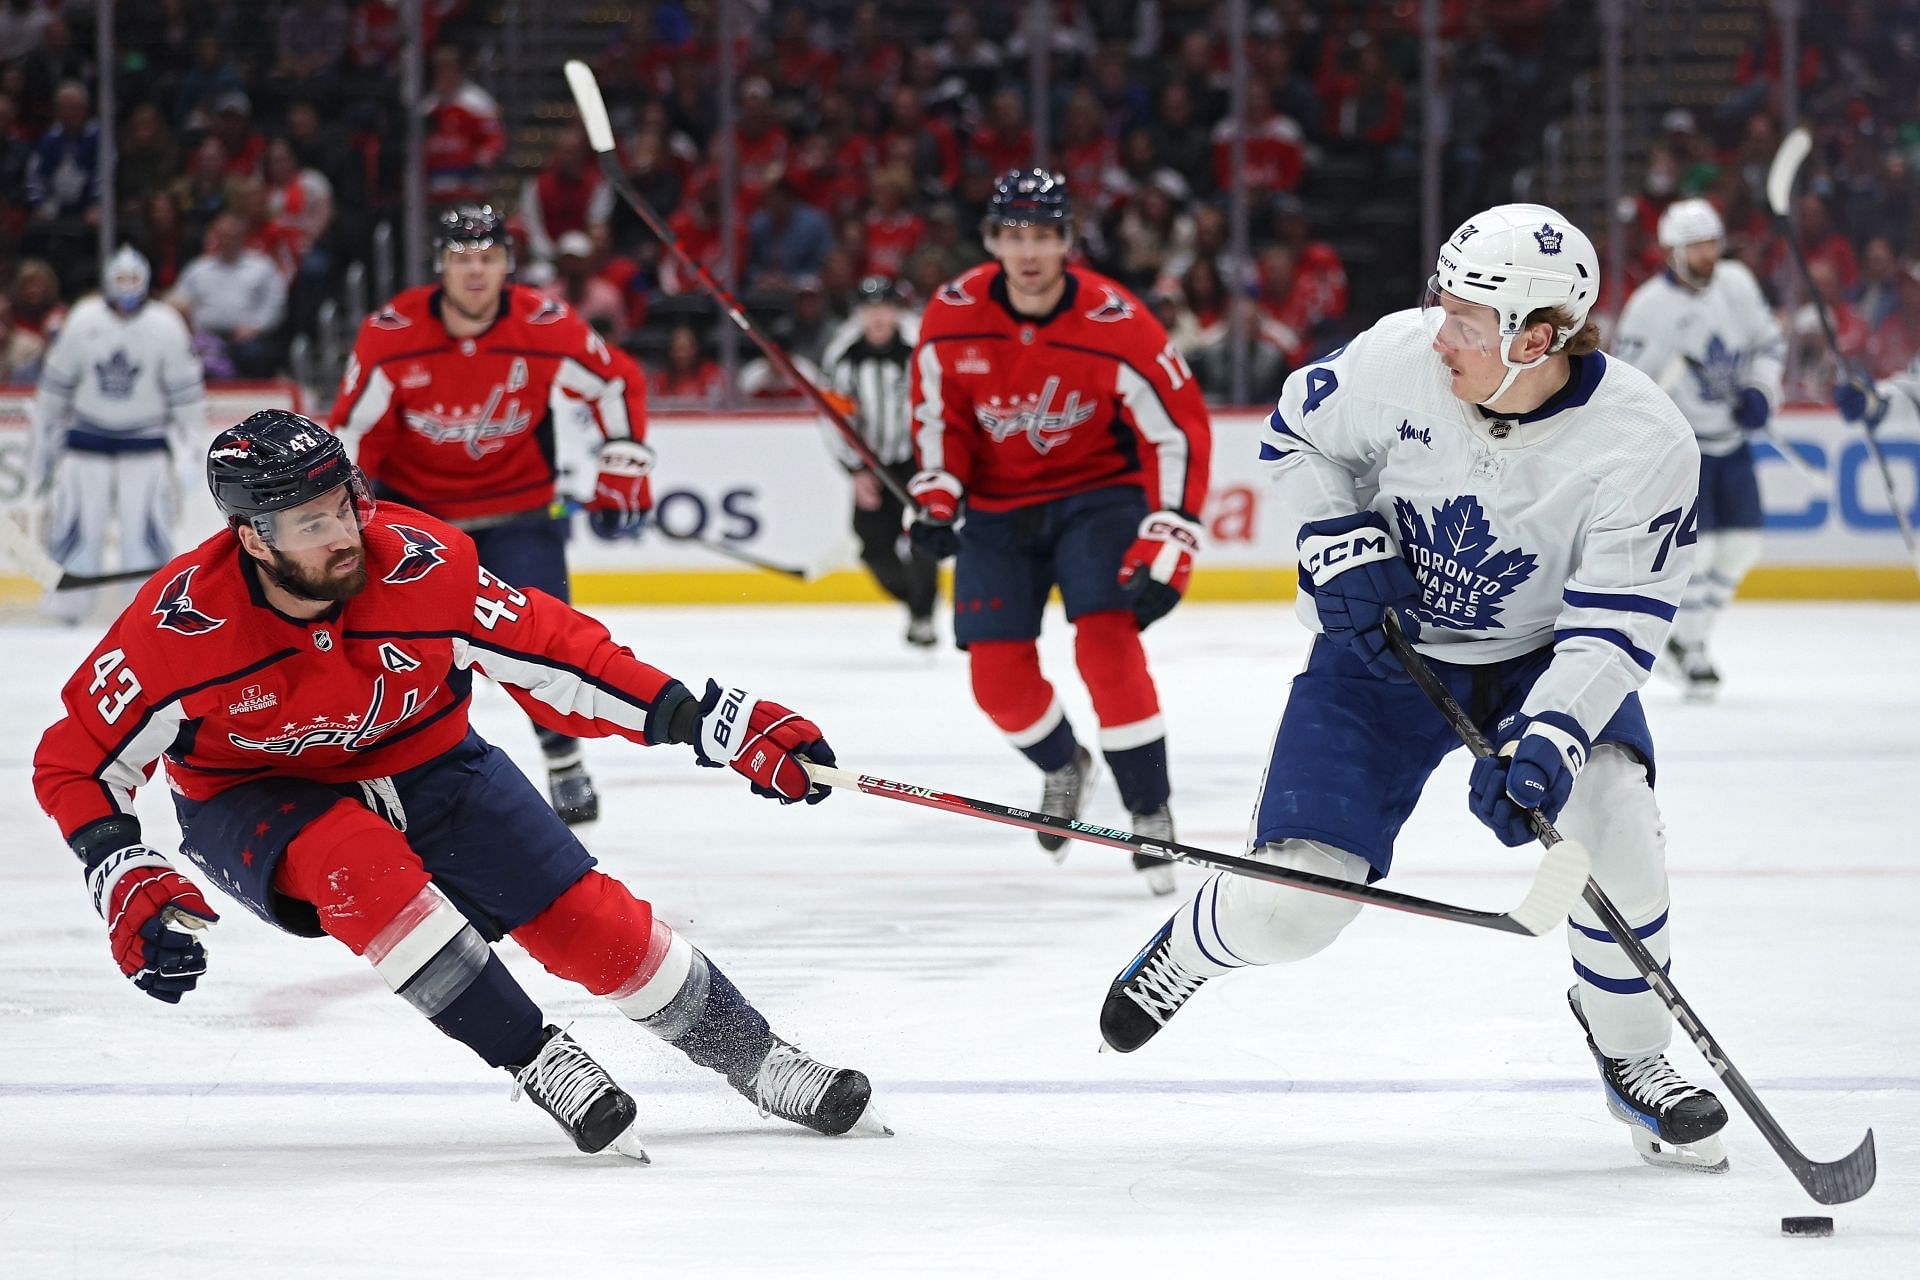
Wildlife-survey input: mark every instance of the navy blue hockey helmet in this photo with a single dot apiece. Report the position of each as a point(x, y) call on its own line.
point(276, 459)
point(1030, 198)
point(468, 227)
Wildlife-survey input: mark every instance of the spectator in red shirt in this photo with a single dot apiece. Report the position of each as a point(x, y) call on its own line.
point(1317, 264)
point(639, 62)
point(578, 283)
point(911, 131)
point(233, 125)
point(696, 225)
point(1275, 150)
point(1285, 316)
point(558, 198)
point(801, 69)
point(1896, 341)
point(1820, 242)
point(1005, 141)
point(1364, 104)
point(872, 63)
point(892, 229)
point(1087, 152)
point(760, 141)
point(464, 134)
point(688, 377)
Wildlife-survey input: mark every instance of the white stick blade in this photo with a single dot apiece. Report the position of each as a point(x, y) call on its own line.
point(1785, 167)
point(592, 107)
point(1558, 885)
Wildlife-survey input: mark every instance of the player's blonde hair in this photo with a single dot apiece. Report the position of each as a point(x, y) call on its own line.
point(1583, 343)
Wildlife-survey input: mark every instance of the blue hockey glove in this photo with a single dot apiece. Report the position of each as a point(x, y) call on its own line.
point(1355, 575)
point(1857, 406)
point(1750, 408)
point(1534, 770)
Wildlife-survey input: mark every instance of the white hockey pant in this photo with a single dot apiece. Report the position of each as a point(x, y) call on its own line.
point(96, 494)
point(1235, 921)
point(1719, 563)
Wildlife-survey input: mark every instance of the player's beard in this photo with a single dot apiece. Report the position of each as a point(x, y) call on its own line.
point(324, 585)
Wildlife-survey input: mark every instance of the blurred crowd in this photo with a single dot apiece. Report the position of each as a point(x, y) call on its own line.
point(260, 143)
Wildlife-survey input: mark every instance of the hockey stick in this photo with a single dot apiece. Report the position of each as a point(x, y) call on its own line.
point(1834, 1182)
point(1780, 175)
point(1555, 885)
point(593, 118)
point(812, 571)
point(1792, 458)
point(27, 555)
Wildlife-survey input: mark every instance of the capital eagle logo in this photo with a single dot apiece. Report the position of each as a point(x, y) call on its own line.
point(175, 608)
point(1464, 581)
point(1113, 310)
point(1549, 238)
point(388, 318)
point(550, 311)
point(423, 553)
point(954, 296)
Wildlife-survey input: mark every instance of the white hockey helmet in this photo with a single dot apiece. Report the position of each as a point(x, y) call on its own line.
point(124, 284)
point(1516, 259)
point(1688, 222)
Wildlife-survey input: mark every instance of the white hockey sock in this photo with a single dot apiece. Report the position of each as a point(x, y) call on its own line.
point(1235, 921)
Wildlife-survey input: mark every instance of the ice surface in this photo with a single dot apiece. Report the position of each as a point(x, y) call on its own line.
point(1413, 1102)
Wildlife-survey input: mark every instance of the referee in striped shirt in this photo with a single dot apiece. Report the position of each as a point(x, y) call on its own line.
point(866, 363)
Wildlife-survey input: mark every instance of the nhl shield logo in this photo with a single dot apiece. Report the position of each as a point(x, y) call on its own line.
point(1549, 238)
point(323, 640)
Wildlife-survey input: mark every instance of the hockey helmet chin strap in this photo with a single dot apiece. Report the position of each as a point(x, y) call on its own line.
point(1439, 321)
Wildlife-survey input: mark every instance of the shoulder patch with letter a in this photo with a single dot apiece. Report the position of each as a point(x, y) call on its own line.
point(394, 658)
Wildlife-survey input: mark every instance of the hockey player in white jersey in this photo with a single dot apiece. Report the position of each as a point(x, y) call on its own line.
point(116, 426)
point(1523, 506)
point(1702, 330)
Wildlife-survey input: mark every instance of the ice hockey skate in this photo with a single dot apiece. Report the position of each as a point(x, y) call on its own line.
point(1675, 1125)
point(1156, 871)
point(573, 796)
point(920, 633)
point(789, 1084)
point(1147, 993)
point(1689, 667)
point(1064, 794)
point(578, 1093)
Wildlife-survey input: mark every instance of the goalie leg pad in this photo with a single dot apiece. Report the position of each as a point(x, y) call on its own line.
point(1235, 921)
point(1613, 812)
point(1008, 686)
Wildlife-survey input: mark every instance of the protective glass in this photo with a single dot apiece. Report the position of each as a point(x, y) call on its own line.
point(1466, 327)
point(336, 515)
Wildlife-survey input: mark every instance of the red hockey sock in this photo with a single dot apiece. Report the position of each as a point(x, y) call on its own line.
point(356, 870)
point(1107, 648)
point(598, 935)
point(1009, 687)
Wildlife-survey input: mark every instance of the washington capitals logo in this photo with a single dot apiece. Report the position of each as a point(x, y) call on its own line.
point(1549, 238)
point(116, 374)
point(358, 732)
point(1114, 309)
point(418, 560)
point(482, 430)
point(175, 608)
point(388, 318)
point(954, 296)
point(550, 312)
point(1033, 417)
point(1463, 580)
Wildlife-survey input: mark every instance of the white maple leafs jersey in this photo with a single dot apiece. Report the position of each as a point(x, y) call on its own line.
point(123, 377)
point(1572, 526)
point(1702, 346)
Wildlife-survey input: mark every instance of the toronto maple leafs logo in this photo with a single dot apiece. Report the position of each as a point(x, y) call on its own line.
point(1114, 309)
point(1033, 416)
point(418, 560)
point(175, 608)
point(1548, 237)
point(1716, 371)
point(116, 375)
point(1463, 580)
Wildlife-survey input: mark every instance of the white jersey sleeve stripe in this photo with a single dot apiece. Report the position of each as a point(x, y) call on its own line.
point(931, 412)
point(563, 688)
point(1169, 442)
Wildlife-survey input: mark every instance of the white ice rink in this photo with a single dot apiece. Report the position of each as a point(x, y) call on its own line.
point(1414, 1102)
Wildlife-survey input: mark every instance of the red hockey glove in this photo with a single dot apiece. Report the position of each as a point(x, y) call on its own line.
point(152, 913)
point(622, 494)
point(1159, 563)
point(761, 739)
point(938, 494)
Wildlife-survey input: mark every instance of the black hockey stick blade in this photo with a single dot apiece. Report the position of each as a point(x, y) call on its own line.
point(1555, 885)
point(1834, 1182)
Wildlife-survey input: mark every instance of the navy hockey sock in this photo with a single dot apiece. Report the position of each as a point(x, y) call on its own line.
point(711, 1022)
point(1055, 751)
point(493, 1017)
point(1141, 775)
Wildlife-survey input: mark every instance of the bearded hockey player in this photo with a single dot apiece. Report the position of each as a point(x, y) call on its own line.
point(119, 420)
point(1522, 505)
point(453, 395)
point(1703, 330)
point(305, 676)
point(1051, 412)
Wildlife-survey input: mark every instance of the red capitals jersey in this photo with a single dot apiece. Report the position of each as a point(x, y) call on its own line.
point(1024, 410)
point(464, 427)
point(203, 673)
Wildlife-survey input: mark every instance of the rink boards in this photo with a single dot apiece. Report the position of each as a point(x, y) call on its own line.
point(765, 483)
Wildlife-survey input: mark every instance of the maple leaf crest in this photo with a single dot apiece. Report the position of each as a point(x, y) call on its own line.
point(1463, 580)
point(1717, 372)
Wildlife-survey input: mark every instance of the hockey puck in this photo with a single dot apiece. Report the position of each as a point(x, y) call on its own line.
point(1806, 1226)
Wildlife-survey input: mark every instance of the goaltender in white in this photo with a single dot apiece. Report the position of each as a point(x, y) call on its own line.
point(120, 410)
point(1520, 503)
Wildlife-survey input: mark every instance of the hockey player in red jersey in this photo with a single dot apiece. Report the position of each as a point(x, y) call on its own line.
point(1051, 410)
point(304, 676)
point(454, 392)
